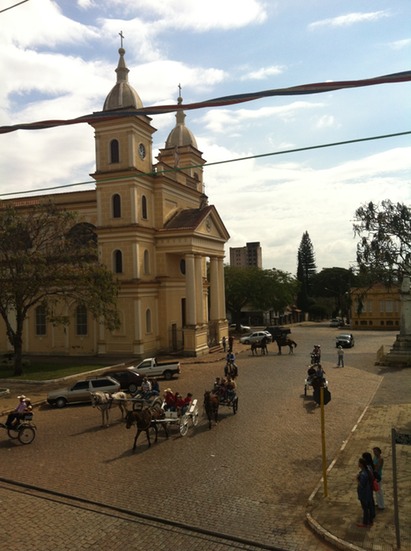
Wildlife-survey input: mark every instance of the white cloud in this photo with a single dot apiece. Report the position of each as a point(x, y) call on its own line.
point(263, 73)
point(228, 120)
point(349, 19)
point(400, 44)
point(201, 16)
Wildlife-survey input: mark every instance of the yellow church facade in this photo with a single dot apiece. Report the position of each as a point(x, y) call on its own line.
point(155, 230)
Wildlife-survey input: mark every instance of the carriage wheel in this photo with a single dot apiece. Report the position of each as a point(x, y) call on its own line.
point(13, 433)
point(184, 426)
point(26, 435)
point(235, 405)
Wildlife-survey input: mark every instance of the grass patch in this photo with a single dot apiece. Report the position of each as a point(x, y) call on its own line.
point(45, 370)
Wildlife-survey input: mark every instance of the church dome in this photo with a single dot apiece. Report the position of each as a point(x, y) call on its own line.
point(123, 94)
point(180, 135)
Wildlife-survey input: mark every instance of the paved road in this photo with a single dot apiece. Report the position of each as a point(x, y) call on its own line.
point(249, 477)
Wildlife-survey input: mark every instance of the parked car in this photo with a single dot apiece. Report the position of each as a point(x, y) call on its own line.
point(345, 340)
point(336, 322)
point(80, 391)
point(151, 367)
point(256, 337)
point(128, 378)
point(243, 328)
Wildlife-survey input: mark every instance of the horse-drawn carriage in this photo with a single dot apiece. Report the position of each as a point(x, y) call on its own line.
point(219, 396)
point(23, 430)
point(315, 379)
point(181, 418)
point(154, 412)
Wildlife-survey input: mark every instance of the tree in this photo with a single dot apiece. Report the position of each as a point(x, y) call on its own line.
point(48, 258)
point(263, 289)
point(306, 269)
point(384, 249)
point(334, 284)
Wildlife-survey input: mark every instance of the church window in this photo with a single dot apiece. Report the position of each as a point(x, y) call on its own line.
point(183, 266)
point(118, 262)
point(116, 206)
point(81, 320)
point(146, 262)
point(114, 151)
point(144, 207)
point(41, 320)
point(148, 320)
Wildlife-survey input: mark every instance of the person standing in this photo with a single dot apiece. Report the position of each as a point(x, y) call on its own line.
point(378, 465)
point(340, 356)
point(364, 492)
point(230, 343)
point(224, 343)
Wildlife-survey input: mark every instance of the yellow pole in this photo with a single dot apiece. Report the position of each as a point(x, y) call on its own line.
point(323, 441)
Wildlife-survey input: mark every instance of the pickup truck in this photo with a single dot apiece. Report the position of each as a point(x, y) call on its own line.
point(150, 367)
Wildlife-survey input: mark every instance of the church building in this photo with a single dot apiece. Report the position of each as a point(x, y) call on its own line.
point(155, 230)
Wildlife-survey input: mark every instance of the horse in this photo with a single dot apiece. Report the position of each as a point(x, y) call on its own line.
point(256, 345)
point(286, 342)
point(146, 418)
point(104, 401)
point(230, 370)
point(211, 404)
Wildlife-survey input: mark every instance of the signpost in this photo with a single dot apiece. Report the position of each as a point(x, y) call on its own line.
point(322, 396)
point(405, 440)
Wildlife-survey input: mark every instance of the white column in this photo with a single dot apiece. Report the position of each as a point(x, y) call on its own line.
point(199, 288)
point(137, 320)
point(222, 310)
point(214, 289)
point(190, 290)
point(134, 204)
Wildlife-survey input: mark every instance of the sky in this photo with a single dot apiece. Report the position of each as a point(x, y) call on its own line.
point(58, 61)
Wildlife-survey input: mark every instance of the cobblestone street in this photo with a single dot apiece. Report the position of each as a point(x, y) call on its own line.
point(248, 478)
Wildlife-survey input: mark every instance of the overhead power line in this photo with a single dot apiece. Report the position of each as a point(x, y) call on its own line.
point(237, 159)
point(316, 88)
point(14, 6)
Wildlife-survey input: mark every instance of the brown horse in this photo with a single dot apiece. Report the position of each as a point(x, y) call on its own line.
point(146, 418)
point(211, 404)
point(256, 345)
point(286, 342)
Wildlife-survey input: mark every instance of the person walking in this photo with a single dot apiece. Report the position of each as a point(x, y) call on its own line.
point(340, 356)
point(378, 465)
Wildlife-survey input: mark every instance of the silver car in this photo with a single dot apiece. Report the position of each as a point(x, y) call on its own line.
point(80, 391)
point(257, 336)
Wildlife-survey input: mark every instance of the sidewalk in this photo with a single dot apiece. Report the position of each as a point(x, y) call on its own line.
point(335, 517)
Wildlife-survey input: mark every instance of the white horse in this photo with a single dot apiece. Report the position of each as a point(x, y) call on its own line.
point(104, 401)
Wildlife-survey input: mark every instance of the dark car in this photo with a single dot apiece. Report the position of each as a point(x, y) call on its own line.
point(128, 378)
point(278, 332)
point(345, 340)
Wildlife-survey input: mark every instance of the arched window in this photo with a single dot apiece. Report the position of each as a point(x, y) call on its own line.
point(148, 320)
point(114, 151)
point(81, 320)
point(41, 320)
point(116, 203)
point(144, 207)
point(146, 262)
point(118, 262)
